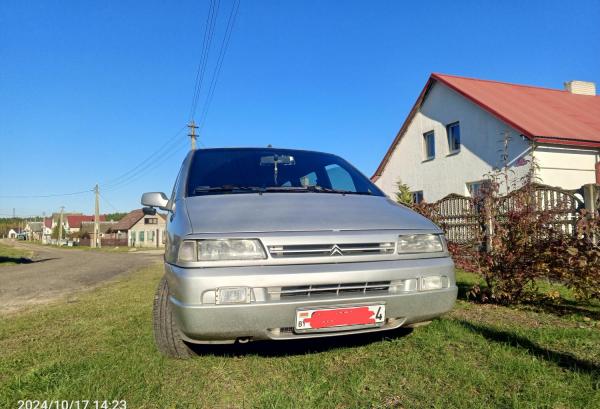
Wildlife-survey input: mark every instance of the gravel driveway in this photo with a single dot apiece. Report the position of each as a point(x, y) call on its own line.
point(56, 273)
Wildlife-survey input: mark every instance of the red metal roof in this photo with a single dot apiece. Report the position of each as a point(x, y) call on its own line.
point(74, 221)
point(541, 114)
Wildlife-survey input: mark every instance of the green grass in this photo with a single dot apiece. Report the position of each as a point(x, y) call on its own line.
point(100, 346)
point(12, 255)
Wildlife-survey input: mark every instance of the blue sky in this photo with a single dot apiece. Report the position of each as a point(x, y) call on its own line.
point(88, 90)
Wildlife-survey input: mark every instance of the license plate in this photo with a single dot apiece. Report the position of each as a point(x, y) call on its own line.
point(340, 317)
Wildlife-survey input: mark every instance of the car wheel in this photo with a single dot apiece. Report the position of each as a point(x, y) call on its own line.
point(166, 334)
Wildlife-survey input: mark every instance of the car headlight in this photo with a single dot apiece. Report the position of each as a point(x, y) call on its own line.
point(230, 249)
point(420, 243)
point(221, 249)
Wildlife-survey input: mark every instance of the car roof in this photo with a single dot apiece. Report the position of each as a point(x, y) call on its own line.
point(256, 148)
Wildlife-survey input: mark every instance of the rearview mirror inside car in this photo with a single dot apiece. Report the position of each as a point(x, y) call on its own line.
point(277, 160)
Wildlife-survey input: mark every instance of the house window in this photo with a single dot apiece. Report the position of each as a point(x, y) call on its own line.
point(151, 235)
point(151, 220)
point(429, 143)
point(417, 197)
point(475, 188)
point(141, 235)
point(308, 180)
point(453, 131)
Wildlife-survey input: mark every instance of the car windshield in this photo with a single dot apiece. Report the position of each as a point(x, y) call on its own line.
point(249, 170)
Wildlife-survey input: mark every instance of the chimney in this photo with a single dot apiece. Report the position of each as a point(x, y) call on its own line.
point(581, 87)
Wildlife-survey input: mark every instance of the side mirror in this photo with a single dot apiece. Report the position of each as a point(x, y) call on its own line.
point(155, 199)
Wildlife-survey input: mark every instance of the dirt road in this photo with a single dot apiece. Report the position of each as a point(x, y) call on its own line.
point(55, 273)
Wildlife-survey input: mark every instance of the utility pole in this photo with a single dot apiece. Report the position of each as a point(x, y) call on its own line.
point(192, 134)
point(60, 225)
point(96, 241)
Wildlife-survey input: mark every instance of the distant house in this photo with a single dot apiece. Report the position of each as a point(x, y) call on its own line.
point(73, 222)
point(13, 233)
point(455, 133)
point(34, 230)
point(48, 226)
point(86, 229)
point(142, 230)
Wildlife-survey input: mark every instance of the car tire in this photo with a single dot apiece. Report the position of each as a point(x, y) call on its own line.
point(166, 334)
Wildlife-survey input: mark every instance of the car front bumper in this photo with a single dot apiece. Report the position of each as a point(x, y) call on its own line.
point(200, 320)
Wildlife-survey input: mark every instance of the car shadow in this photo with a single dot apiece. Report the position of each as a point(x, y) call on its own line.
point(23, 260)
point(293, 347)
point(562, 359)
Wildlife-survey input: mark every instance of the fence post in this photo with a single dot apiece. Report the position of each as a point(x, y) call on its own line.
point(590, 198)
point(591, 202)
point(489, 226)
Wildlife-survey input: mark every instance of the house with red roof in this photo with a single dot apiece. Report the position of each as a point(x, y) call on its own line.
point(73, 221)
point(460, 129)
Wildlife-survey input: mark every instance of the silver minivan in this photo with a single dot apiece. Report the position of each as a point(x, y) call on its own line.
point(281, 244)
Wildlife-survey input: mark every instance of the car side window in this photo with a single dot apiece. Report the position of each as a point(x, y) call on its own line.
point(339, 178)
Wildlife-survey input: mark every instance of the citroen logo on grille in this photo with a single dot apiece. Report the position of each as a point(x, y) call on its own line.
point(336, 251)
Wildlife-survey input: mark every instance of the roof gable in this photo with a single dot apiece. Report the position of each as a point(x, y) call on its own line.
point(129, 220)
point(541, 114)
point(536, 112)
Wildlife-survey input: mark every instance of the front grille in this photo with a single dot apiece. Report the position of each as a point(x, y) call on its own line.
point(329, 289)
point(331, 250)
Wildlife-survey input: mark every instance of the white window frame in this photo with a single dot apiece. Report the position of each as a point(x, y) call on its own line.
point(426, 136)
point(450, 137)
point(478, 183)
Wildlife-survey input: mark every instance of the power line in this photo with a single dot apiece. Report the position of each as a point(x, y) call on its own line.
point(163, 148)
point(223, 50)
point(149, 168)
point(45, 195)
point(209, 29)
point(108, 202)
point(131, 174)
point(149, 165)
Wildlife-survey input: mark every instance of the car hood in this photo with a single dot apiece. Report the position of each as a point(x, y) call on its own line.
point(276, 212)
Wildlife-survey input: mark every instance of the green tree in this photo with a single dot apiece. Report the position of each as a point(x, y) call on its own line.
point(403, 195)
point(55, 233)
point(115, 216)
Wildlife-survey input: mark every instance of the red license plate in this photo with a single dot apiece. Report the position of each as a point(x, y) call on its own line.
point(320, 318)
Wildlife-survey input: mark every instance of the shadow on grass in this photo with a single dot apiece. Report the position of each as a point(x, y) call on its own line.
point(566, 308)
point(564, 360)
point(285, 348)
point(561, 307)
point(23, 260)
point(463, 290)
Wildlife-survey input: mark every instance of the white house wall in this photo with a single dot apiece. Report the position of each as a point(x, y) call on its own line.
point(569, 168)
point(481, 147)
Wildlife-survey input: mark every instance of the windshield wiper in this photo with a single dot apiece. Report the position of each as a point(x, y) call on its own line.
point(258, 189)
point(227, 189)
point(312, 189)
